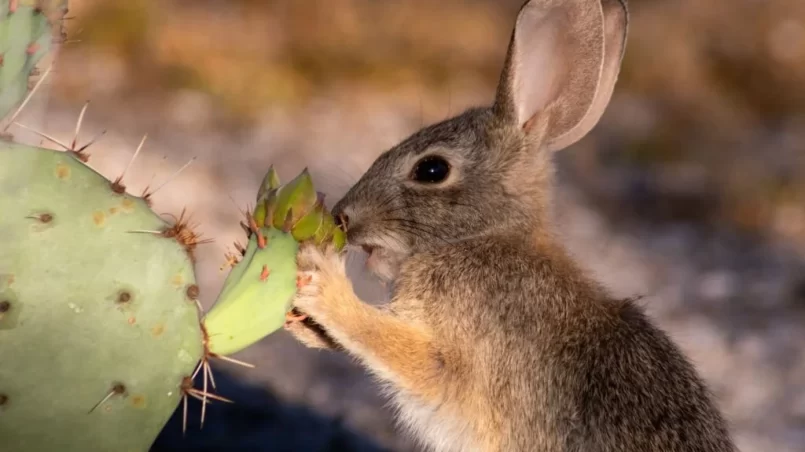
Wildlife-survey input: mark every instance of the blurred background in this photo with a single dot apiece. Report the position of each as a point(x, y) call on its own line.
point(689, 193)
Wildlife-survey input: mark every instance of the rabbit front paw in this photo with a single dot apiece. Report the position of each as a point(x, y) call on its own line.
point(324, 291)
point(308, 333)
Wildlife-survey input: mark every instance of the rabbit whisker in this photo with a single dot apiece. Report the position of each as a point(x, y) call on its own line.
point(386, 201)
point(413, 226)
point(418, 233)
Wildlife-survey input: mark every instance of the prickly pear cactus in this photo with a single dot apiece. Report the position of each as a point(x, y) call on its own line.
point(90, 310)
point(25, 38)
point(101, 333)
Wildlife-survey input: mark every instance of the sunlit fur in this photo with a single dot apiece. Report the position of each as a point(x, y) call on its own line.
point(495, 340)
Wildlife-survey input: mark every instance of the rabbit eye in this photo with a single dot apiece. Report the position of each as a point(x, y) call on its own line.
point(431, 170)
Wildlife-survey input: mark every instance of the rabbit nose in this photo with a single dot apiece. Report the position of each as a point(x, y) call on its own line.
point(342, 221)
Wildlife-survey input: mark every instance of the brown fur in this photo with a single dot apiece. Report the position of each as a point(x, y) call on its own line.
point(495, 340)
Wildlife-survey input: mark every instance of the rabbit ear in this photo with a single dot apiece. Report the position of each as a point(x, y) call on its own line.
point(561, 67)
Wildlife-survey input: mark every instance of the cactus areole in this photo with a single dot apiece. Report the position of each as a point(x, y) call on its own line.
point(100, 331)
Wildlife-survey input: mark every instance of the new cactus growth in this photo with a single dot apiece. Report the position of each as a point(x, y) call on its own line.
point(257, 294)
point(101, 333)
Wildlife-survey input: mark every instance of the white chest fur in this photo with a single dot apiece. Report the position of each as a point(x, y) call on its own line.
point(435, 430)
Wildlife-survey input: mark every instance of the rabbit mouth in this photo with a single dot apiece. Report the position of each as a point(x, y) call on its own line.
point(380, 262)
point(374, 257)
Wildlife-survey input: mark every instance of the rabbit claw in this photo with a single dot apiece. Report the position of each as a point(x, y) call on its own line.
point(302, 280)
point(294, 316)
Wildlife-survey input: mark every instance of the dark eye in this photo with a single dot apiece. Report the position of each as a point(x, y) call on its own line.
point(431, 170)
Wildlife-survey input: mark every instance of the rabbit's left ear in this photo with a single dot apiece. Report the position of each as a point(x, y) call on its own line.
point(561, 67)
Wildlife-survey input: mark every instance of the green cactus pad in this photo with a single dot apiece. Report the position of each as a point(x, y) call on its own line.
point(88, 309)
point(25, 37)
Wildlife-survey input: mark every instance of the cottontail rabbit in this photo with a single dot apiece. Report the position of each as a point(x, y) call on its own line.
point(494, 339)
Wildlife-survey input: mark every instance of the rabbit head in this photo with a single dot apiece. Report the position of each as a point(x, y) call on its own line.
point(488, 170)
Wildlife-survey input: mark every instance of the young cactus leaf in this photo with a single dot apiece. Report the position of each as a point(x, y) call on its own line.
point(268, 190)
point(260, 212)
point(299, 197)
point(257, 294)
point(270, 205)
point(339, 239)
point(270, 182)
point(330, 232)
point(308, 225)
